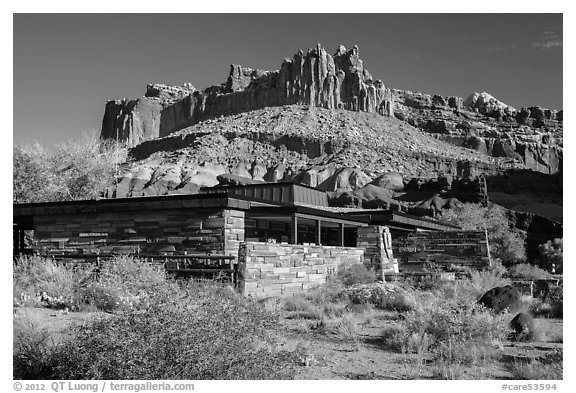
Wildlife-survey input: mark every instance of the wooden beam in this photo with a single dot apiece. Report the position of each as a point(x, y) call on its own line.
point(341, 234)
point(319, 232)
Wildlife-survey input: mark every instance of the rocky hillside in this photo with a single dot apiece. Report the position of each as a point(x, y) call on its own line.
point(310, 145)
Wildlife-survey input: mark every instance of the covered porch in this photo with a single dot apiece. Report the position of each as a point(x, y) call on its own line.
point(300, 225)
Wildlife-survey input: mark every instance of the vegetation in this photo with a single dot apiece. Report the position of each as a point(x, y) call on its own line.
point(73, 170)
point(552, 254)
point(161, 329)
point(528, 272)
point(506, 242)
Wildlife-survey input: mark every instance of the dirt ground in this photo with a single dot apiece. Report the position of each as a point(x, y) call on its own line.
point(328, 356)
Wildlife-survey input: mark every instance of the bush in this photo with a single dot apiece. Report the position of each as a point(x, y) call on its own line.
point(454, 332)
point(39, 280)
point(528, 272)
point(355, 274)
point(548, 368)
point(552, 253)
point(122, 283)
point(32, 351)
point(383, 296)
point(205, 332)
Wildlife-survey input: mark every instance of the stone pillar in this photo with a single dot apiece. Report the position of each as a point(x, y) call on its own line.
point(233, 231)
point(376, 242)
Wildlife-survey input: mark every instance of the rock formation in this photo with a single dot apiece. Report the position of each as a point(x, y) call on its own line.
point(501, 298)
point(532, 136)
point(314, 78)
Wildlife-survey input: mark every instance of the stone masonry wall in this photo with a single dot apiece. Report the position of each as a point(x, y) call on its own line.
point(376, 241)
point(214, 231)
point(270, 269)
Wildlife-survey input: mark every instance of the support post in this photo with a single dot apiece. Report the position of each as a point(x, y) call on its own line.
point(294, 237)
point(341, 234)
point(319, 232)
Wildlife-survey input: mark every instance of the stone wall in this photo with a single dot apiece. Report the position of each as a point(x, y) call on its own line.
point(421, 251)
point(376, 241)
point(271, 269)
point(214, 231)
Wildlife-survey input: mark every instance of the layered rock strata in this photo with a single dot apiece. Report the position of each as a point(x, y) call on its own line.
point(314, 78)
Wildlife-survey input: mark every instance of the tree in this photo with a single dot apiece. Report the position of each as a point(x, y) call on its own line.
point(552, 252)
point(81, 169)
point(506, 242)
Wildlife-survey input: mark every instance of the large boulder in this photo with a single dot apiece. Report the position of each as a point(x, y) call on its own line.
point(392, 181)
point(522, 326)
point(230, 179)
point(501, 298)
point(345, 179)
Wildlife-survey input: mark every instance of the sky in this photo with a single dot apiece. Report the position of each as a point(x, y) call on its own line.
point(67, 66)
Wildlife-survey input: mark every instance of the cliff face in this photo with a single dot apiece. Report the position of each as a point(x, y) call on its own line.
point(314, 78)
point(532, 136)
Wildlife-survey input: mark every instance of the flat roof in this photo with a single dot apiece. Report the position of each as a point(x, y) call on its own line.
point(223, 200)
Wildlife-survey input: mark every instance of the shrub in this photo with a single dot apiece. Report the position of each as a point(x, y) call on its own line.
point(528, 272)
point(452, 331)
point(552, 253)
point(203, 333)
point(383, 296)
point(45, 281)
point(331, 291)
point(32, 351)
point(547, 368)
point(355, 274)
point(124, 283)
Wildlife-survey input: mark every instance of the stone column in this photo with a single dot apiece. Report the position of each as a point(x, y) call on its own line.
point(233, 231)
point(377, 244)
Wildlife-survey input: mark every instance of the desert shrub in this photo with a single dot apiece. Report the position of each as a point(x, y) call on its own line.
point(32, 351)
point(205, 332)
point(474, 286)
point(552, 254)
point(452, 331)
point(80, 169)
point(393, 337)
point(547, 368)
point(355, 274)
point(124, 282)
point(506, 242)
point(555, 299)
point(332, 291)
point(44, 281)
point(383, 296)
point(528, 272)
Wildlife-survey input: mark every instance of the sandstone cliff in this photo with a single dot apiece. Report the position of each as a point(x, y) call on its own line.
point(314, 78)
point(532, 136)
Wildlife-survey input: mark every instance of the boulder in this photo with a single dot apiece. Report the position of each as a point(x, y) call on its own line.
point(501, 298)
point(522, 326)
point(230, 179)
point(258, 170)
point(345, 179)
point(392, 181)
